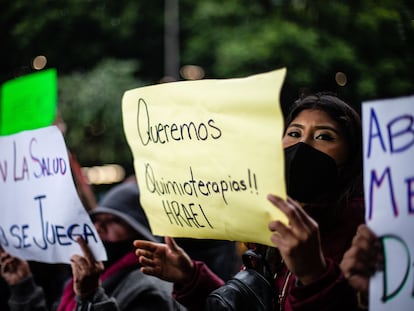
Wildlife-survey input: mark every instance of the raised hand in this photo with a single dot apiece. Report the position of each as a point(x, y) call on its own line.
point(86, 271)
point(168, 261)
point(13, 269)
point(363, 258)
point(299, 241)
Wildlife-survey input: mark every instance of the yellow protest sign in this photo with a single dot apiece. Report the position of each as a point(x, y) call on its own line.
point(207, 153)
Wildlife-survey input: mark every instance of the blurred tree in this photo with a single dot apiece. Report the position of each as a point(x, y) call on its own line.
point(90, 104)
point(75, 35)
point(369, 43)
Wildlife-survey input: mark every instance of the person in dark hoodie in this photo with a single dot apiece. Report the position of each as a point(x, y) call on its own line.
point(116, 284)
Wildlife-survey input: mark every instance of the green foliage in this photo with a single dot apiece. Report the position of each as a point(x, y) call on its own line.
point(90, 104)
point(76, 35)
point(372, 42)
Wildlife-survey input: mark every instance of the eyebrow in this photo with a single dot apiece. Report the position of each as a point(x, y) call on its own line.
point(318, 127)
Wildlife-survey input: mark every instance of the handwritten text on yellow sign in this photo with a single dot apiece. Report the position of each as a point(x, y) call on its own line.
point(206, 154)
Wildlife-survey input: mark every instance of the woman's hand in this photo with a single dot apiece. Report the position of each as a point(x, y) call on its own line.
point(13, 269)
point(168, 261)
point(362, 259)
point(298, 242)
point(86, 271)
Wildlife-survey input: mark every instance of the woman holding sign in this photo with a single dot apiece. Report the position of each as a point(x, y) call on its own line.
point(322, 144)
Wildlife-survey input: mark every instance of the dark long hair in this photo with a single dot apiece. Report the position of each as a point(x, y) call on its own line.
point(350, 123)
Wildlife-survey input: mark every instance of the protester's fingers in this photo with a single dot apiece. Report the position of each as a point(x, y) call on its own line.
point(4, 254)
point(289, 209)
point(145, 245)
point(277, 240)
point(356, 272)
point(281, 231)
point(305, 219)
point(8, 263)
point(144, 253)
point(81, 262)
point(364, 231)
point(171, 243)
point(350, 266)
point(277, 226)
point(85, 249)
point(141, 244)
point(146, 262)
point(360, 283)
point(368, 246)
point(365, 260)
point(75, 263)
point(360, 238)
point(362, 248)
point(367, 240)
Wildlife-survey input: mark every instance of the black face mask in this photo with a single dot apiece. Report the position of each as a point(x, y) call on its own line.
point(116, 250)
point(311, 175)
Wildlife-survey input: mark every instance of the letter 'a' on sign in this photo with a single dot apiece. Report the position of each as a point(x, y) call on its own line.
point(28, 102)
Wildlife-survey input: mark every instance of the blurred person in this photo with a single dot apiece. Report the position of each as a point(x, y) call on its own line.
point(50, 277)
point(4, 294)
point(323, 167)
point(83, 188)
point(24, 293)
point(116, 284)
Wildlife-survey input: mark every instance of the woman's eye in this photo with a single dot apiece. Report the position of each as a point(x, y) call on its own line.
point(295, 134)
point(324, 136)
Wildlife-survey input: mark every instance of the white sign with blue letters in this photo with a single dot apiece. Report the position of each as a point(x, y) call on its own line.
point(388, 130)
point(41, 213)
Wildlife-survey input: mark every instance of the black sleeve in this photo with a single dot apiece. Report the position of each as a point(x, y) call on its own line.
point(27, 296)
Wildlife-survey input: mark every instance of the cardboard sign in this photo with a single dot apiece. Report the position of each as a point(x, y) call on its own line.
point(41, 212)
point(388, 129)
point(207, 153)
point(28, 102)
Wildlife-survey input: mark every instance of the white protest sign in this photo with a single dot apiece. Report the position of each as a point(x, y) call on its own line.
point(388, 129)
point(41, 213)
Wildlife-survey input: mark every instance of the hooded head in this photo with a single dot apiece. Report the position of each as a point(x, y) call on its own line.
point(123, 202)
